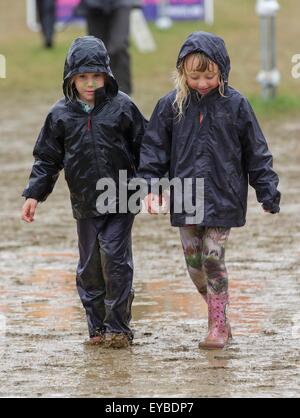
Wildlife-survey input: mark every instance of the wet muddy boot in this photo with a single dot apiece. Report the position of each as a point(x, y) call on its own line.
point(97, 340)
point(219, 331)
point(114, 340)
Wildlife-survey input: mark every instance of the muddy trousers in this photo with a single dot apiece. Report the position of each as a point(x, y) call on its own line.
point(204, 251)
point(105, 272)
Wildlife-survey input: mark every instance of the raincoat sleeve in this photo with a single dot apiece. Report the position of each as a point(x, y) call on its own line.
point(258, 160)
point(156, 145)
point(49, 155)
point(135, 133)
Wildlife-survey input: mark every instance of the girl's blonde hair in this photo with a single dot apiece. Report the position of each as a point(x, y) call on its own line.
point(200, 63)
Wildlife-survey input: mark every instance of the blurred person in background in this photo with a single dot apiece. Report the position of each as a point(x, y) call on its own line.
point(109, 20)
point(46, 15)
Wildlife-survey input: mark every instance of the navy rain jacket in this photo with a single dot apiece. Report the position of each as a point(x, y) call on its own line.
point(88, 146)
point(218, 139)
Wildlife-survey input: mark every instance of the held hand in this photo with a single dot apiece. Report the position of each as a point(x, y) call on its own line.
point(155, 204)
point(270, 211)
point(272, 206)
point(28, 210)
point(151, 207)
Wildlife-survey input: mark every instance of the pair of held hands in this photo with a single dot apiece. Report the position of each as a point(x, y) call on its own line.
point(153, 203)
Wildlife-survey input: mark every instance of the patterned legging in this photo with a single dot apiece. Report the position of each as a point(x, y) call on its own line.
point(204, 251)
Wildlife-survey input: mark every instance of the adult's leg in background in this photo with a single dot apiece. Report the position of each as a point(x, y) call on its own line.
point(98, 24)
point(46, 14)
point(118, 47)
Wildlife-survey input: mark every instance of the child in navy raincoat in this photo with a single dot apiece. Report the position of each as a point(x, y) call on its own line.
point(94, 132)
point(205, 129)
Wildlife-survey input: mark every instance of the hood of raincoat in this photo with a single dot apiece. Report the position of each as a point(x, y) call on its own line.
point(211, 45)
point(88, 54)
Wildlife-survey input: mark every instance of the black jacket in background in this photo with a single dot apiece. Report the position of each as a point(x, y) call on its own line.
point(107, 6)
point(88, 146)
point(218, 139)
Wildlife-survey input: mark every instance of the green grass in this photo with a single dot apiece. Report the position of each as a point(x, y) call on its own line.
point(35, 72)
point(275, 108)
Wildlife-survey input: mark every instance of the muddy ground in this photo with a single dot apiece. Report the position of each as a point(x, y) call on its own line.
point(42, 323)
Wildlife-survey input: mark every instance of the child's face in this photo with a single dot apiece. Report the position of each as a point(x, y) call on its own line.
point(201, 81)
point(86, 84)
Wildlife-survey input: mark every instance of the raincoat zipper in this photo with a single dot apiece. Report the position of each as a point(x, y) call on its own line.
point(93, 140)
point(89, 122)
